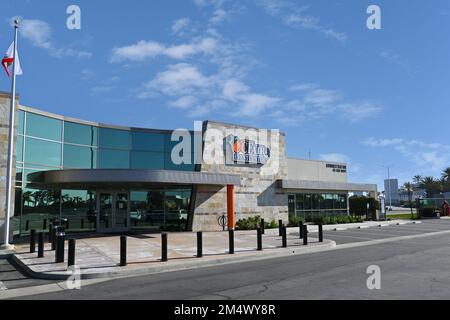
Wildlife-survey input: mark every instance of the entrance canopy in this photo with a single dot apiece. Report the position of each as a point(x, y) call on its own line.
point(125, 177)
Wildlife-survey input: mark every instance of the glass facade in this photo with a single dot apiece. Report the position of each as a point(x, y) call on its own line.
point(310, 205)
point(45, 143)
point(160, 209)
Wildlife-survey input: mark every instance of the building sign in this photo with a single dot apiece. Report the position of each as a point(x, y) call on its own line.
point(245, 151)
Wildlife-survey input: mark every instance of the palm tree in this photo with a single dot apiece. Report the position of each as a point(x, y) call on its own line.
point(409, 188)
point(446, 175)
point(417, 180)
point(430, 185)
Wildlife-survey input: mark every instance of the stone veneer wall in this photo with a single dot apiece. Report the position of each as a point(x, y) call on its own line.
point(258, 193)
point(4, 128)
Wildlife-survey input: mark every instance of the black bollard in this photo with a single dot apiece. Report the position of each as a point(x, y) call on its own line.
point(59, 254)
point(300, 229)
point(164, 247)
point(82, 223)
point(284, 235)
point(44, 224)
point(280, 228)
point(231, 241)
point(71, 257)
point(50, 232)
point(123, 251)
point(54, 238)
point(199, 244)
point(259, 240)
point(27, 225)
point(305, 235)
point(40, 245)
point(263, 226)
point(320, 232)
point(33, 241)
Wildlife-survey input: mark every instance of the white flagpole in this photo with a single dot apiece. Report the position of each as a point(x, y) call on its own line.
point(9, 173)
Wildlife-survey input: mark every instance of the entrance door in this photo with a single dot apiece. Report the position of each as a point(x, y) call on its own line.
point(113, 211)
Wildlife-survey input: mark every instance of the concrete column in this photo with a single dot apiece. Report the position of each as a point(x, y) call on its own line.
point(230, 207)
point(4, 127)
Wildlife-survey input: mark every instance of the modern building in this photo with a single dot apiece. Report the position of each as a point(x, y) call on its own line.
point(391, 192)
point(108, 178)
point(415, 194)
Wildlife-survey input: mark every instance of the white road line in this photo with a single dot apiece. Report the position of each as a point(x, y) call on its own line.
point(2, 286)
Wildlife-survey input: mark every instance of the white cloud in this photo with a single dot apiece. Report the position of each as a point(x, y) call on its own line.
point(427, 156)
point(179, 79)
point(234, 88)
point(321, 97)
point(356, 112)
point(180, 24)
point(39, 33)
point(255, 104)
point(137, 52)
point(304, 86)
point(184, 102)
point(295, 16)
point(219, 15)
point(144, 50)
point(315, 102)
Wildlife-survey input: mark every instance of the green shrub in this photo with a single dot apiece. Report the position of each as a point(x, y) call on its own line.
point(251, 223)
point(272, 225)
point(295, 220)
point(332, 220)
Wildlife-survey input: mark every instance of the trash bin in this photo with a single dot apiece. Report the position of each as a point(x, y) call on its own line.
point(60, 231)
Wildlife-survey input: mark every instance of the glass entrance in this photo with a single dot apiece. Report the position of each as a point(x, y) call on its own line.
point(113, 211)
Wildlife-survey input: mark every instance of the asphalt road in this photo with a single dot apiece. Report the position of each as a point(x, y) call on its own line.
point(12, 278)
point(416, 268)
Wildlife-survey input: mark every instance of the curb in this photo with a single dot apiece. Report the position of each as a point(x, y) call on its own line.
point(163, 267)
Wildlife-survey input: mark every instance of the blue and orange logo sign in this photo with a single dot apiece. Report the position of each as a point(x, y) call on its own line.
point(247, 151)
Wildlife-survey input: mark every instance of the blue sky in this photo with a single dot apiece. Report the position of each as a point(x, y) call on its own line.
point(371, 98)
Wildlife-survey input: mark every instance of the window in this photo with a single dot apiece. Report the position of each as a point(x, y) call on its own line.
point(76, 157)
point(160, 209)
point(114, 159)
point(114, 139)
point(43, 152)
point(299, 201)
point(19, 175)
point(38, 205)
point(79, 206)
point(20, 121)
point(169, 165)
point(147, 160)
point(43, 127)
point(19, 149)
point(80, 134)
point(141, 141)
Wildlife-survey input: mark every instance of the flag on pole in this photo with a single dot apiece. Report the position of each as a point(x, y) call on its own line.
point(8, 60)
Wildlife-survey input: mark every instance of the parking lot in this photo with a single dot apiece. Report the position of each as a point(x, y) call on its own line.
point(376, 233)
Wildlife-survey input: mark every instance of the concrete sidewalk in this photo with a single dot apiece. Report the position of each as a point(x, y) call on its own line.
point(99, 256)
